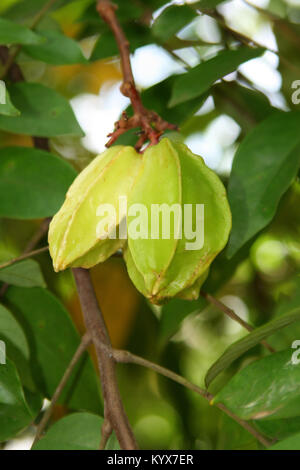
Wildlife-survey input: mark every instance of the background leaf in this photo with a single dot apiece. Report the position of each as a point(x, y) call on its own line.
point(266, 388)
point(17, 348)
point(137, 34)
point(291, 443)
point(199, 79)
point(57, 49)
point(252, 339)
point(53, 340)
point(263, 168)
point(44, 112)
point(33, 183)
point(171, 20)
point(78, 431)
point(26, 273)
point(12, 33)
point(7, 108)
point(15, 414)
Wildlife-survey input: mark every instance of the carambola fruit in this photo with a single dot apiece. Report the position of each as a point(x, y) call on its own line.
point(177, 214)
point(74, 238)
point(160, 268)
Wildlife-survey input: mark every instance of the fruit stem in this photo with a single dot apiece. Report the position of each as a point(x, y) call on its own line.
point(151, 124)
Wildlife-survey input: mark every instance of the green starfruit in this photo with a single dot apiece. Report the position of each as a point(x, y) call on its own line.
point(75, 237)
point(178, 199)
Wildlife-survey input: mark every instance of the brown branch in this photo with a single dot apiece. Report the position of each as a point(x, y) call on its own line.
point(106, 432)
point(114, 412)
point(85, 341)
point(151, 124)
point(231, 314)
point(10, 68)
point(126, 357)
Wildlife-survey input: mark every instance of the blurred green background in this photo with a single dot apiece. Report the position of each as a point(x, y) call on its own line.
point(253, 283)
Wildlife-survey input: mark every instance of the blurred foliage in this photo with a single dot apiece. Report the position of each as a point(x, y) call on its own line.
point(76, 62)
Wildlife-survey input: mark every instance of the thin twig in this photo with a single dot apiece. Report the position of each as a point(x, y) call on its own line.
point(231, 314)
point(42, 13)
point(39, 234)
point(24, 256)
point(85, 341)
point(126, 357)
point(113, 407)
point(247, 40)
point(13, 70)
point(151, 124)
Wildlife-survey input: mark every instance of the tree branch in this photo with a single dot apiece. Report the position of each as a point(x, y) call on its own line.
point(85, 341)
point(151, 124)
point(114, 412)
point(106, 431)
point(126, 357)
point(231, 314)
point(24, 256)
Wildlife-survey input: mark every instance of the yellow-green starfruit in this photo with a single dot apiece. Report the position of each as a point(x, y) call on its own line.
point(76, 237)
point(178, 221)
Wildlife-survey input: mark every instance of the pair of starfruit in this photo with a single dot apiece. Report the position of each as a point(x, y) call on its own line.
point(165, 209)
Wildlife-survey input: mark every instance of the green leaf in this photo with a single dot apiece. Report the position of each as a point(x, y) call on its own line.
point(174, 312)
point(33, 183)
point(171, 20)
point(17, 348)
point(6, 106)
point(26, 9)
point(264, 166)
point(26, 273)
point(78, 431)
point(53, 341)
point(252, 339)
point(266, 388)
point(106, 46)
point(13, 33)
point(57, 49)
point(157, 96)
point(15, 414)
point(279, 428)
point(231, 98)
point(200, 78)
point(291, 443)
point(44, 112)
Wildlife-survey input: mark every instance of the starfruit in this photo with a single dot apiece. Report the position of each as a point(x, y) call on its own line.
point(74, 236)
point(165, 262)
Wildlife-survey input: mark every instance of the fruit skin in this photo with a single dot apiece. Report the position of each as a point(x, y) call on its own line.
point(163, 268)
point(73, 238)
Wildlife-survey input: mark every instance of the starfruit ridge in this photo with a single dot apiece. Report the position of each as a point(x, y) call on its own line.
point(183, 275)
point(72, 235)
